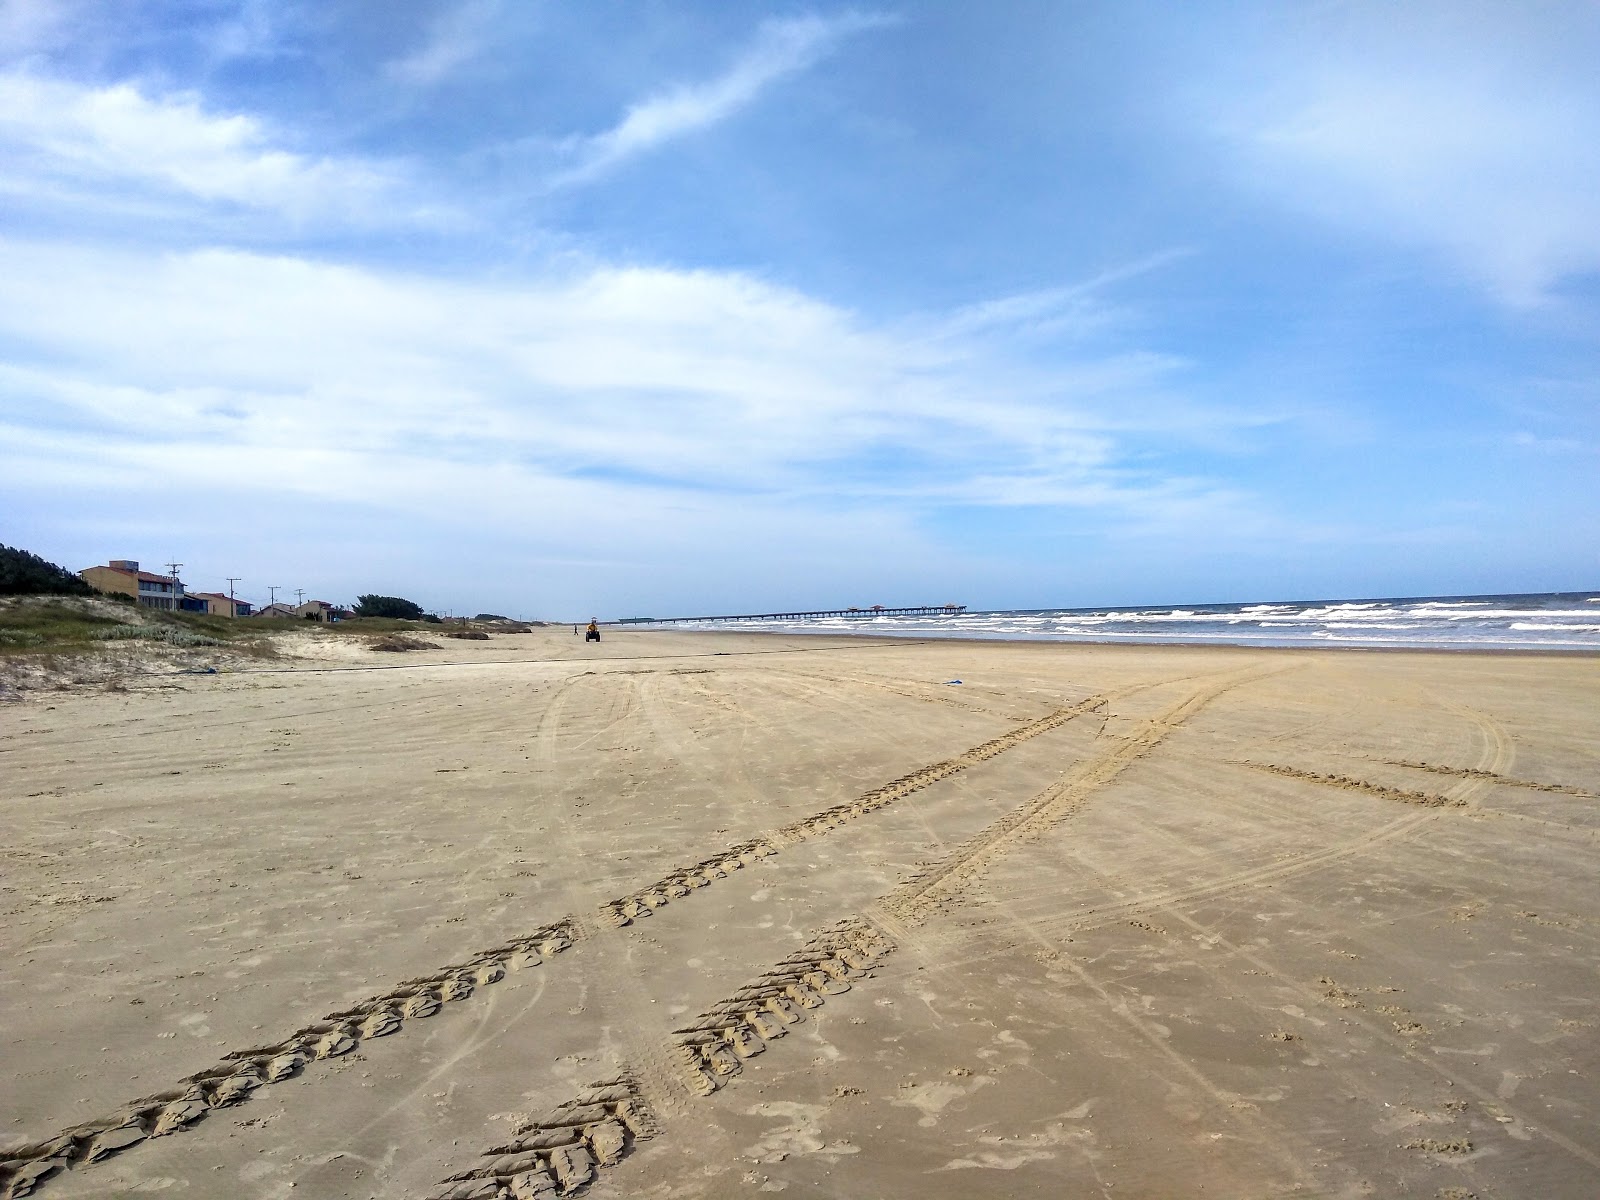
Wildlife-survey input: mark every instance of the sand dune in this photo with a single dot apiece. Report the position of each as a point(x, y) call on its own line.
point(689, 915)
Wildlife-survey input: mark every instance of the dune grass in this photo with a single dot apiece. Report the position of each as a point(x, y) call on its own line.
point(68, 625)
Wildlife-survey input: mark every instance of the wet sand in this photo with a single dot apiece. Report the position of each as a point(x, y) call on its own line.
point(687, 915)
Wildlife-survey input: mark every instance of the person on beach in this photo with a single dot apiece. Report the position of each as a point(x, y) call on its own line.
point(592, 634)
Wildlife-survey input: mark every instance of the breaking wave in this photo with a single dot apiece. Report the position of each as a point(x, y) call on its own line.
point(1547, 621)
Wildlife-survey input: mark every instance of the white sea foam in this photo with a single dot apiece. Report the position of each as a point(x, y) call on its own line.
point(1501, 622)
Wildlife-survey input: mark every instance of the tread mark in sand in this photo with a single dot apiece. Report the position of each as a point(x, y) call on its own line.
point(1101, 914)
point(561, 1152)
point(626, 909)
point(916, 899)
point(1382, 791)
point(241, 1072)
point(712, 1047)
point(1492, 776)
point(1496, 754)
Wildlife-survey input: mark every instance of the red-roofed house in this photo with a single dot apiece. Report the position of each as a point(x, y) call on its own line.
point(123, 575)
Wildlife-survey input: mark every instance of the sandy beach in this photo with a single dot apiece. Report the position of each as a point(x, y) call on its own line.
point(686, 915)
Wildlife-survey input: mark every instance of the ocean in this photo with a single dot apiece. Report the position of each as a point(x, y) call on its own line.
point(1549, 621)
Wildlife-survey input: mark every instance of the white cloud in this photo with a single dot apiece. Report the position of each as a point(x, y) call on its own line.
point(1509, 189)
point(455, 37)
point(116, 147)
point(782, 48)
point(671, 384)
point(1466, 130)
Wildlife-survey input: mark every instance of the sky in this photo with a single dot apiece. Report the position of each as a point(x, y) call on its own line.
point(601, 308)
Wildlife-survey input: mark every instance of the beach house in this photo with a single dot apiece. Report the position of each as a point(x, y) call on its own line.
point(218, 605)
point(122, 575)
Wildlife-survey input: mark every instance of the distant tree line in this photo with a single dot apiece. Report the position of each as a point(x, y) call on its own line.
point(25, 574)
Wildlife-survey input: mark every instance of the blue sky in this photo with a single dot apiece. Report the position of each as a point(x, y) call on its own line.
point(552, 309)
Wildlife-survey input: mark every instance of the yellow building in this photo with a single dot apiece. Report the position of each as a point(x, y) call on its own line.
point(123, 575)
point(218, 605)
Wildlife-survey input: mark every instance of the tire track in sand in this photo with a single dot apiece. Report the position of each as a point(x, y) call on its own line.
point(1497, 752)
point(242, 1072)
point(920, 896)
point(564, 1152)
point(710, 1050)
point(676, 884)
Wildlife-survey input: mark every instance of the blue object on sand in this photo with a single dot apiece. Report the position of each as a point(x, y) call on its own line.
point(950, 681)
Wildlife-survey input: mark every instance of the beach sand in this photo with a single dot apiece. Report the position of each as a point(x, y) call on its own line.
point(687, 915)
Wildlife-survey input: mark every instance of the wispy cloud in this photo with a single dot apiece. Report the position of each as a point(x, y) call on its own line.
point(454, 38)
point(28, 25)
point(781, 48)
point(697, 382)
point(1460, 129)
point(1078, 310)
point(116, 146)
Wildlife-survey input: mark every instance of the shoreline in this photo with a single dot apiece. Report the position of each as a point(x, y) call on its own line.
point(1535, 651)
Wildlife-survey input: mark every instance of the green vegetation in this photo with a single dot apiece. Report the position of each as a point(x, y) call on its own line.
point(169, 634)
point(362, 625)
point(68, 624)
point(62, 640)
point(25, 574)
point(399, 644)
point(388, 606)
point(56, 623)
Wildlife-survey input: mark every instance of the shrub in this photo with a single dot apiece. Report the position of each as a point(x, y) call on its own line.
point(388, 606)
point(169, 634)
point(398, 643)
point(118, 633)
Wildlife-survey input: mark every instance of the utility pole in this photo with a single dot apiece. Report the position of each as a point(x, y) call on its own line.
point(272, 593)
point(300, 596)
point(177, 588)
point(233, 605)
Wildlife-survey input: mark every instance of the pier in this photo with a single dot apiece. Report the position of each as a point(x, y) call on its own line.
point(876, 610)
